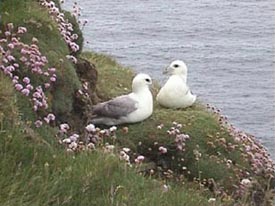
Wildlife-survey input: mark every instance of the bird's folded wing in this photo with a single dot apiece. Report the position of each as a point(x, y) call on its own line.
point(115, 108)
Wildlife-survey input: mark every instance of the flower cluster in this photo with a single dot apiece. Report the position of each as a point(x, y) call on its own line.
point(19, 61)
point(124, 155)
point(91, 137)
point(252, 150)
point(65, 27)
point(77, 13)
point(180, 138)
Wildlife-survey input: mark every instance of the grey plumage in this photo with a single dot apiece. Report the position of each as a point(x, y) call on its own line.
point(116, 108)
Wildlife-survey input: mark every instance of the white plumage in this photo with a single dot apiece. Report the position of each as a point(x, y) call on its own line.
point(130, 108)
point(175, 93)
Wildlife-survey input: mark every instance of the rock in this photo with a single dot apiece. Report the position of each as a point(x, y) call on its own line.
point(86, 96)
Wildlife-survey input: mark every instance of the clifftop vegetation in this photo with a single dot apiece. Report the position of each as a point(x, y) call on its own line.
point(51, 155)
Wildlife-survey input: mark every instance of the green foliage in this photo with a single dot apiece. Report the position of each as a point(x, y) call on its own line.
point(41, 174)
point(76, 29)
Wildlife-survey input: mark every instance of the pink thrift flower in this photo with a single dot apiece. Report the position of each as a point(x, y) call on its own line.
point(51, 70)
point(47, 85)
point(47, 120)
point(3, 40)
point(46, 74)
point(10, 58)
point(38, 123)
point(64, 127)
point(67, 140)
point(139, 159)
point(90, 128)
point(44, 59)
point(53, 79)
point(23, 59)
point(26, 80)
point(29, 87)
point(11, 46)
point(74, 137)
point(162, 150)
point(7, 33)
point(125, 149)
point(25, 91)
point(35, 107)
point(51, 116)
point(21, 30)
point(14, 81)
point(18, 87)
point(113, 128)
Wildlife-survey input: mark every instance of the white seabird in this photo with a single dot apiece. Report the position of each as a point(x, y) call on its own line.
point(175, 93)
point(130, 108)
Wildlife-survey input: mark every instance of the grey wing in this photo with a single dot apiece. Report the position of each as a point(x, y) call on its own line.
point(115, 108)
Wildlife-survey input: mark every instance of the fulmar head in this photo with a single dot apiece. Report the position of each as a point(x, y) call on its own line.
point(141, 81)
point(177, 67)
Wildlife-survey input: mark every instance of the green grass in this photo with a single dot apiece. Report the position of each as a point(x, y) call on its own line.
point(201, 125)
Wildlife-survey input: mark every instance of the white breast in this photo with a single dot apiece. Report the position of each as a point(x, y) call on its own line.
point(175, 93)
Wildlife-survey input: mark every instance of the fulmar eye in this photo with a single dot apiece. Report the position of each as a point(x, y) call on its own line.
point(147, 80)
point(176, 65)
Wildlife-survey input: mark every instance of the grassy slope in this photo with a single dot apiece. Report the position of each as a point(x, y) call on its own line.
point(35, 170)
point(197, 122)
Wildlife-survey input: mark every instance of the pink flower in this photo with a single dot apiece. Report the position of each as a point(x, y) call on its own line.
point(125, 149)
point(47, 85)
point(139, 159)
point(64, 127)
point(67, 140)
point(47, 120)
point(29, 87)
point(53, 79)
point(37, 95)
point(7, 33)
point(162, 150)
point(160, 126)
point(44, 59)
point(90, 128)
point(113, 128)
point(23, 59)
point(74, 137)
point(25, 91)
point(14, 81)
point(21, 30)
point(26, 80)
point(51, 116)
point(18, 87)
point(11, 46)
point(51, 70)
point(10, 58)
point(38, 123)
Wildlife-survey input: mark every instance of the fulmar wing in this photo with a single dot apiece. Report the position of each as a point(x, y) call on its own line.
point(115, 108)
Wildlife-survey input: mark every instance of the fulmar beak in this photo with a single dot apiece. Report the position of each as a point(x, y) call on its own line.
point(166, 70)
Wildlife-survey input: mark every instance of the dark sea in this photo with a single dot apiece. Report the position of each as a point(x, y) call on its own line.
point(228, 46)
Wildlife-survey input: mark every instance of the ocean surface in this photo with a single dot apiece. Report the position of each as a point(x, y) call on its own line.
point(228, 46)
